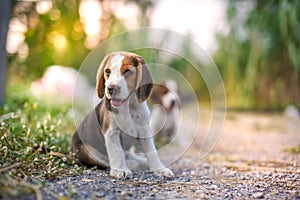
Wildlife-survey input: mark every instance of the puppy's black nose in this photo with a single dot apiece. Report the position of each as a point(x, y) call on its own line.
point(113, 89)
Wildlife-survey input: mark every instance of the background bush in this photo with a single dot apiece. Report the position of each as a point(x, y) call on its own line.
point(35, 141)
point(259, 57)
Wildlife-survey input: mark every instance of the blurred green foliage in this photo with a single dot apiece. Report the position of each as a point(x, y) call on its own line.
point(259, 57)
point(40, 29)
point(61, 25)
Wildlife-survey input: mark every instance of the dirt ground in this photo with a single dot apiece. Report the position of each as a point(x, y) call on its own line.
point(250, 161)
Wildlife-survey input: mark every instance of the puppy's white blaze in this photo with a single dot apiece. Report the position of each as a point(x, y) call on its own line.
point(117, 58)
point(115, 67)
point(116, 77)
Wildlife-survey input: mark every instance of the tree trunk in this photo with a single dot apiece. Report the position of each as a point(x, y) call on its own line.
point(4, 20)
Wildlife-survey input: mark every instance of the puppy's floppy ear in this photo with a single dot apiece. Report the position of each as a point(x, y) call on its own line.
point(100, 86)
point(144, 81)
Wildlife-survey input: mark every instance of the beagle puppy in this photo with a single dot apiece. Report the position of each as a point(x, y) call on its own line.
point(108, 132)
point(165, 113)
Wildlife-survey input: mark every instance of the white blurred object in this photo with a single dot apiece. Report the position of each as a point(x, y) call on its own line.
point(292, 111)
point(166, 109)
point(59, 83)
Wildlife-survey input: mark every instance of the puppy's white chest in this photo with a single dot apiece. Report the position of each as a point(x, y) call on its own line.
point(132, 122)
point(125, 123)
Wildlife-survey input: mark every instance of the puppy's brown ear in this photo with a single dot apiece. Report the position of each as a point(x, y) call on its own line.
point(144, 81)
point(100, 86)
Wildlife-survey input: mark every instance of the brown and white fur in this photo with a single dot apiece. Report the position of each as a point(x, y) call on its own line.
point(106, 135)
point(165, 113)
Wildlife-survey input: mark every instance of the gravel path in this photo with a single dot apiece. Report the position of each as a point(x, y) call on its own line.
point(248, 163)
point(201, 181)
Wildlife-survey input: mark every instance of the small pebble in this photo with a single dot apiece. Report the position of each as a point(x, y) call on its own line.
point(258, 195)
point(100, 194)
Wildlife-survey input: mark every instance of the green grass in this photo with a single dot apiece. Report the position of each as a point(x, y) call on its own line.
point(295, 150)
point(35, 142)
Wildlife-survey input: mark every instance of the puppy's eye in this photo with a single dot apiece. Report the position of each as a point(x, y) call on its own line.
point(107, 72)
point(127, 72)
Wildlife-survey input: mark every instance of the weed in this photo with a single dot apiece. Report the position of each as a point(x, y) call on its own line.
point(295, 150)
point(35, 142)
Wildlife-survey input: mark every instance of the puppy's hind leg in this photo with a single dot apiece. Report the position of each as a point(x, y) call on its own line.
point(90, 156)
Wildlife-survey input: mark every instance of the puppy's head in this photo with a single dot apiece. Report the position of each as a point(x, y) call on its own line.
point(166, 95)
point(121, 74)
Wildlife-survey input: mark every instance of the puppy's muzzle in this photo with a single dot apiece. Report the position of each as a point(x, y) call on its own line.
point(113, 90)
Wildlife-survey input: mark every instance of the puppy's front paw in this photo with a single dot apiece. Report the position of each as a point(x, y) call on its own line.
point(166, 172)
point(125, 173)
